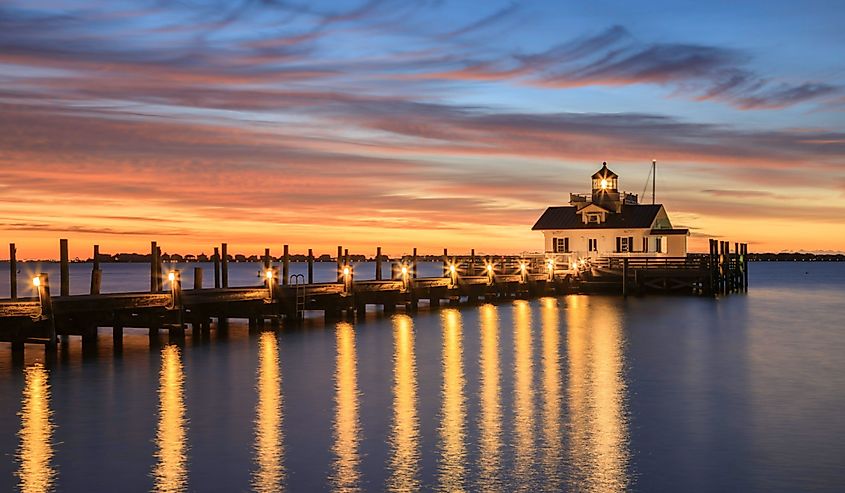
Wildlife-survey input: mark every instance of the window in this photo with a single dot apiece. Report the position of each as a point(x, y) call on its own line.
point(592, 245)
point(645, 244)
point(658, 244)
point(624, 244)
point(594, 218)
point(561, 245)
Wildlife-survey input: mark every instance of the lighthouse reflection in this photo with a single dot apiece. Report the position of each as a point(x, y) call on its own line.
point(599, 441)
point(35, 453)
point(346, 427)
point(405, 431)
point(171, 473)
point(453, 413)
point(269, 473)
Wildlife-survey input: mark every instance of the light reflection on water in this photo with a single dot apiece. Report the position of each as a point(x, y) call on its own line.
point(523, 397)
point(405, 431)
point(552, 458)
point(171, 471)
point(346, 428)
point(269, 474)
point(490, 419)
point(35, 453)
point(453, 412)
point(599, 442)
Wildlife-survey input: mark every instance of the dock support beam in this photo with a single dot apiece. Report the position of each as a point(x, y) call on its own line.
point(310, 266)
point(13, 271)
point(216, 260)
point(286, 265)
point(378, 263)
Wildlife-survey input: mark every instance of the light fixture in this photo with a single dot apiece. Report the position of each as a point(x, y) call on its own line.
point(603, 183)
point(452, 269)
point(489, 267)
point(36, 281)
point(404, 270)
point(268, 274)
point(346, 271)
point(171, 276)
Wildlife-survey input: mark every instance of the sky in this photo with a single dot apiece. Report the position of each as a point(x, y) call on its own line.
point(405, 124)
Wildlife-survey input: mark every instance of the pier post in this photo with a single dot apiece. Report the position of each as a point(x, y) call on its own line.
point(197, 277)
point(65, 268)
point(286, 265)
point(625, 276)
point(310, 266)
point(471, 271)
point(378, 263)
point(13, 271)
point(266, 258)
point(224, 265)
point(153, 266)
point(445, 262)
point(96, 273)
point(216, 260)
point(414, 264)
point(117, 334)
point(339, 263)
point(745, 267)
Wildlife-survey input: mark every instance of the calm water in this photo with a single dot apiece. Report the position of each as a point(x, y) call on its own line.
point(572, 393)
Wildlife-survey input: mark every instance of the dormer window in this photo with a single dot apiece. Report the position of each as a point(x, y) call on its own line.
point(593, 218)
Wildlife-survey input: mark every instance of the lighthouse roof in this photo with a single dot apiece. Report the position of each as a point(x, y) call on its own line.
point(604, 172)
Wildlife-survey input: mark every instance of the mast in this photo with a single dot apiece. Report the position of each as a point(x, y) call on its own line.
point(653, 180)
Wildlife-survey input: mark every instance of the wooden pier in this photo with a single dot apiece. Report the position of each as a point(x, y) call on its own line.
point(169, 306)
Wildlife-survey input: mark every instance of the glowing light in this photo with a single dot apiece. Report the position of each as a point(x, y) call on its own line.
point(35, 452)
point(268, 274)
point(452, 269)
point(522, 267)
point(489, 268)
point(404, 270)
point(603, 184)
point(551, 265)
point(171, 470)
point(346, 271)
point(347, 429)
point(36, 281)
point(171, 276)
point(269, 474)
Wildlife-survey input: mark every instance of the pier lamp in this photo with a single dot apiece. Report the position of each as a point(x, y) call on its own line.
point(171, 276)
point(452, 269)
point(404, 270)
point(346, 271)
point(268, 274)
point(550, 265)
point(490, 268)
point(405, 280)
point(36, 281)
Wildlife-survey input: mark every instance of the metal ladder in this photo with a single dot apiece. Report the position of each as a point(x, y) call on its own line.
point(298, 281)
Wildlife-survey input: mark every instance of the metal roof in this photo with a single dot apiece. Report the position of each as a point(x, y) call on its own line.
point(638, 216)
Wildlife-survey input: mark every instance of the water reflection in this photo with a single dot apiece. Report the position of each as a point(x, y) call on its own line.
point(171, 473)
point(490, 420)
point(453, 412)
point(552, 433)
point(346, 427)
point(596, 395)
point(523, 396)
point(405, 432)
point(269, 474)
point(35, 453)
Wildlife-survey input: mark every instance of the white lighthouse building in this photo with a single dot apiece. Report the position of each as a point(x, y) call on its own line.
point(610, 223)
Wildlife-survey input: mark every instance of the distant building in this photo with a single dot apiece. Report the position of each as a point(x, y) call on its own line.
point(610, 223)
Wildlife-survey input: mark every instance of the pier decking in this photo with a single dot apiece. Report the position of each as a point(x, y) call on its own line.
point(48, 319)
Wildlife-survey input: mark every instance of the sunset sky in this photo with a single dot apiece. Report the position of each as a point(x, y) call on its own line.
point(407, 124)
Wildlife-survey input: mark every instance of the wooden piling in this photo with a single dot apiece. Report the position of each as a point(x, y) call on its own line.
point(414, 264)
point(96, 273)
point(471, 271)
point(625, 276)
point(65, 268)
point(339, 263)
point(310, 266)
point(224, 265)
point(96, 281)
point(153, 266)
point(13, 271)
point(445, 262)
point(216, 260)
point(197, 277)
point(285, 265)
point(745, 266)
point(378, 263)
point(266, 258)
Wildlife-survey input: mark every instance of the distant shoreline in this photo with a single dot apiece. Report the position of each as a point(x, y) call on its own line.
point(134, 258)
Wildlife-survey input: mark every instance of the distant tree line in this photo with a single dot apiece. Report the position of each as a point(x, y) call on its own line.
point(796, 257)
